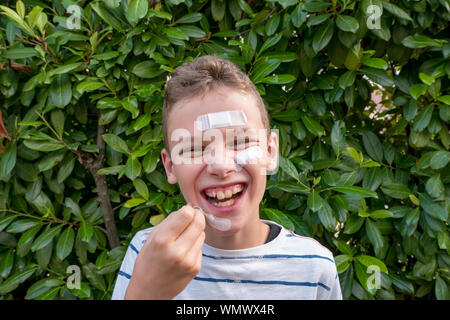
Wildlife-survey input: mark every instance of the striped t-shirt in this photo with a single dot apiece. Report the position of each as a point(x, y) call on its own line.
point(288, 267)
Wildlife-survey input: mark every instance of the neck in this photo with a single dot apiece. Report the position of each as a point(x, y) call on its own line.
point(251, 235)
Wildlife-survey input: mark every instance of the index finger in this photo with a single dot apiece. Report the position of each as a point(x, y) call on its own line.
point(174, 225)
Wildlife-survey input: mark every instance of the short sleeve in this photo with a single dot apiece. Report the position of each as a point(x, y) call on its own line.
point(332, 279)
point(126, 269)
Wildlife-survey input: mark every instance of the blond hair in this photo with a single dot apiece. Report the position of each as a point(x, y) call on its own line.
point(205, 74)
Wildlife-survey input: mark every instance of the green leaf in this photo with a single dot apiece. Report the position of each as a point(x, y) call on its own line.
point(420, 41)
point(26, 240)
point(445, 99)
point(287, 115)
point(148, 69)
point(190, 18)
point(111, 170)
point(315, 201)
point(130, 203)
point(22, 225)
point(441, 289)
point(313, 126)
point(428, 80)
point(262, 68)
point(270, 42)
point(396, 11)
point(65, 243)
point(423, 118)
point(15, 280)
point(40, 289)
point(5, 221)
point(417, 90)
point(66, 169)
point(64, 69)
point(89, 85)
point(6, 263)
point(378, 76)
point(218, 9)
point(402, 284)
point(316, 103)
point(439, 159)
point(338, 137)
point(373, 146)
point(141, 188)
point(434, 186)
point(353, 224)
point(347, 79)
point(410, 110)
point(322, 36)
point(369, 261)
point(396, 190)
point(19, 53)
point(374, 234)
point(347, 23)
point(133, 168)
point(432, 208)
point(288, 167)
point(279, 217)
point(279, 79)
point(45, 238)
point(116, 143)
point(176, 33)
point(86, 231)
point(342, 261)
point(315, 6)
point(374, 63)
point(292, 187)
point(381, 214)
point(137, 9)
point(8, 160)
point(326, 216)
point(61, 90)
point(355, 193)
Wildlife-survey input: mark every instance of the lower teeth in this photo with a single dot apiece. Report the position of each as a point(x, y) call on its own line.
point(223, 203)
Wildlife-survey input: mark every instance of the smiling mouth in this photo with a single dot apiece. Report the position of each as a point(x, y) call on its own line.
point(224, 197)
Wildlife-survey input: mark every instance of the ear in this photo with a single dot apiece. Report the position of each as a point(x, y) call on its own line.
point(272, 151)
point(168, 166)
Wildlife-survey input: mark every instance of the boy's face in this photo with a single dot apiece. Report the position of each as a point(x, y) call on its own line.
point(211, 179)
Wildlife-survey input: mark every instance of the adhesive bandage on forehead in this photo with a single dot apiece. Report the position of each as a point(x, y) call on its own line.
point(220, 120)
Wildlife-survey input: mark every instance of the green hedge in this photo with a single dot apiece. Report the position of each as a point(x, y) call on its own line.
point(357, 89)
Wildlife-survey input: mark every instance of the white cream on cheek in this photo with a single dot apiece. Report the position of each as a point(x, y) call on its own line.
point(222, 224)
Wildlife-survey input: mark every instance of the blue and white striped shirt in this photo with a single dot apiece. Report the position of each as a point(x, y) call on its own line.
point(288, 267)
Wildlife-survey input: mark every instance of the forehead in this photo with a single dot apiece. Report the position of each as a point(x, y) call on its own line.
point(185, 112)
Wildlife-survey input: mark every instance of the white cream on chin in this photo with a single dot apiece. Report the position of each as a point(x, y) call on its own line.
point(222, 224)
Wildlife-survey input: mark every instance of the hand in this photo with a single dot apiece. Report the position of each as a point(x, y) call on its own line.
point(170, 258)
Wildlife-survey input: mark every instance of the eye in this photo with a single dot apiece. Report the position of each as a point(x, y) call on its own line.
point(244, 142)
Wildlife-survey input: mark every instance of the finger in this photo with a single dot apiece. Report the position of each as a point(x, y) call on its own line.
point(194, 256)
point(174, 225)
point(192, 232)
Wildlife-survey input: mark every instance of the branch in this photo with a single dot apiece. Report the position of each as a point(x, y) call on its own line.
point(93, 164)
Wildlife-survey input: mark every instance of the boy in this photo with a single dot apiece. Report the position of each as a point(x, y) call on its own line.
point(216, 247)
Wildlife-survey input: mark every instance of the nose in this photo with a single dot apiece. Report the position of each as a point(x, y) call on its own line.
point(220, 161)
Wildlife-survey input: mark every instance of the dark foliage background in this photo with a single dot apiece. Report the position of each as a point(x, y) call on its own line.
point(357, 89)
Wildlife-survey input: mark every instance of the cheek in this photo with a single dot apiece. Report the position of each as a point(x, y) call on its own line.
point(258, 181)
point(187, 175)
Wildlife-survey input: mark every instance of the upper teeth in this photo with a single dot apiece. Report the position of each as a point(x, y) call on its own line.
point(225, 194)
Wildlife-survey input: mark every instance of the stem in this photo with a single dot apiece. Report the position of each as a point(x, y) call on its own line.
point(55, 220)
point(93, 165)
